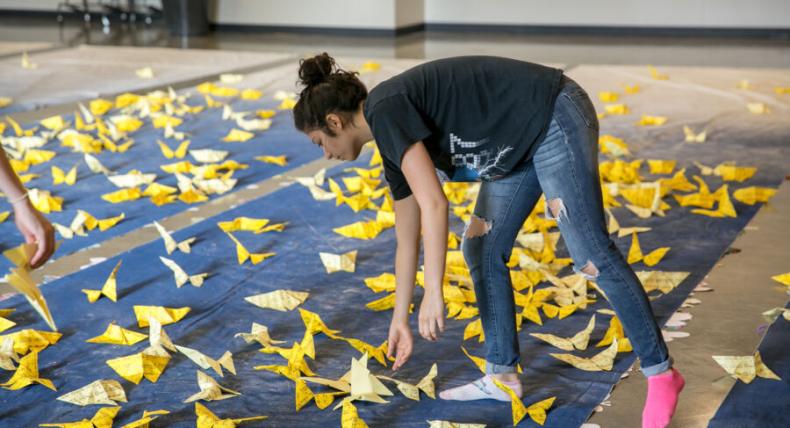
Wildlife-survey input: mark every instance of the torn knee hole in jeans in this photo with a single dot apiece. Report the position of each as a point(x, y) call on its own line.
point(590, 271)
point(477, 227)
point(555, 209)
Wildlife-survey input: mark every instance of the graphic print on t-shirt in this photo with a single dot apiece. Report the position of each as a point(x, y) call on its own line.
point(470, 162)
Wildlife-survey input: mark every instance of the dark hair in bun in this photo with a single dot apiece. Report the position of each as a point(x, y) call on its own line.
point(327, 89)
point(315, 70)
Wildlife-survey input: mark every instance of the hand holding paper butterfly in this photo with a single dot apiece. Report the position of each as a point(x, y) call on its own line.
point(35, 228)
point(30, 222)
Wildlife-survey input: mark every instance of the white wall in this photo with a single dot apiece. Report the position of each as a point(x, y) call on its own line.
point(392, 14)
point(632, 13)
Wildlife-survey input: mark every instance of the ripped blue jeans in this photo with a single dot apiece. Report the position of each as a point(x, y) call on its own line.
point(565, 168)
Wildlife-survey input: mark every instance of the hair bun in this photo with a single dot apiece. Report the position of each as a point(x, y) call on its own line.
point(315, 70)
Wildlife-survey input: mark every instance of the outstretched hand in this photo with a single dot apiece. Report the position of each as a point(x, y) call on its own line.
point(432, 315)
point(399, 343)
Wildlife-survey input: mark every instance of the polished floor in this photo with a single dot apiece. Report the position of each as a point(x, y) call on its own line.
point(546, 48)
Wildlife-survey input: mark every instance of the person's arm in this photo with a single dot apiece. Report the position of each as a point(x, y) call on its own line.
point(30, 222)
point(420, 174)
point(424, 211)
point(407, 233)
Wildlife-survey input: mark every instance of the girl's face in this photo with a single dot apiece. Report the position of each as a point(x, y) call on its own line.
point(342, 146)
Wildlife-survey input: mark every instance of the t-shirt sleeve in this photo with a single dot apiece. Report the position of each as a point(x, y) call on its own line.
point(396, 180)
point(396, 124)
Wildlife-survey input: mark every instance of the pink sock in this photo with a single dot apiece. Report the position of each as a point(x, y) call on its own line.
point(481, 389)
point(662, 398)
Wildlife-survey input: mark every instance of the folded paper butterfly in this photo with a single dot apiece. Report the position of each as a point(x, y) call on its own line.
point(178, 153)
point(171, 245)
point(162, 314)
point(207, 419)
point(651, 259)
point(205, 362)
point(413, 391)
point(108, 289)
point(27, 374)
point(753, 194)
point(783, 279)
point(20, 279)
point(59, 177)
point(660, 280)
point(655, 74)
point(259, 333)
point(601, 361)
point(360, 230)
point(339, 262)
point(24, 341)
point(648, 120)
point(242, 254)
point(615, 332)
point(448, 424)
point(253, 124)
point(117, 335)
point(181, 276)
point(103, 391)
point(132, 179)
point(277, 160)
point(746, 368)
point(150, 363)
point(349, 417)
point(536, 411)
point(280, 300)
point(578, 341)
point(208, 155)
point(210, 390)
point(237, 136)
point(693, 137)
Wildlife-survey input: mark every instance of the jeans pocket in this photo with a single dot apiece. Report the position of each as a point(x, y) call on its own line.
point(581, 103)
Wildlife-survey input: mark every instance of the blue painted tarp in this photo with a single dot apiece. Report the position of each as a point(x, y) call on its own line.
point(205, 130)
point(219, 311)
point(763, 403)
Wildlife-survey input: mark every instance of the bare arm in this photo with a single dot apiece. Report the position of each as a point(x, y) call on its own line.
point(33, 225)
point(407, 232)
point(425, 210)
point(419, 171)
point(9, 182)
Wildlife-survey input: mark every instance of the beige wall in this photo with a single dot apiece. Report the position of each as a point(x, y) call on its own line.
point(357, 14)
point(43, 5)
point(410, 12)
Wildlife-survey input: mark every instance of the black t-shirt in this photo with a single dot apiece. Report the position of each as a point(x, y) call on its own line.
point(478, 116)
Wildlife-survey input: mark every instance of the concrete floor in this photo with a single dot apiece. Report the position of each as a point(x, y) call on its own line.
point(565, 49)
point(719, 326)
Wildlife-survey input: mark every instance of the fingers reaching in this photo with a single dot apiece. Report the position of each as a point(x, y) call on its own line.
point(404, 351)
point(45, 246)
point(41, 252)
point(390, 348)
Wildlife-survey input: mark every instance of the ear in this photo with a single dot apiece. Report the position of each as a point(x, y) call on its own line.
point(334, 122)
